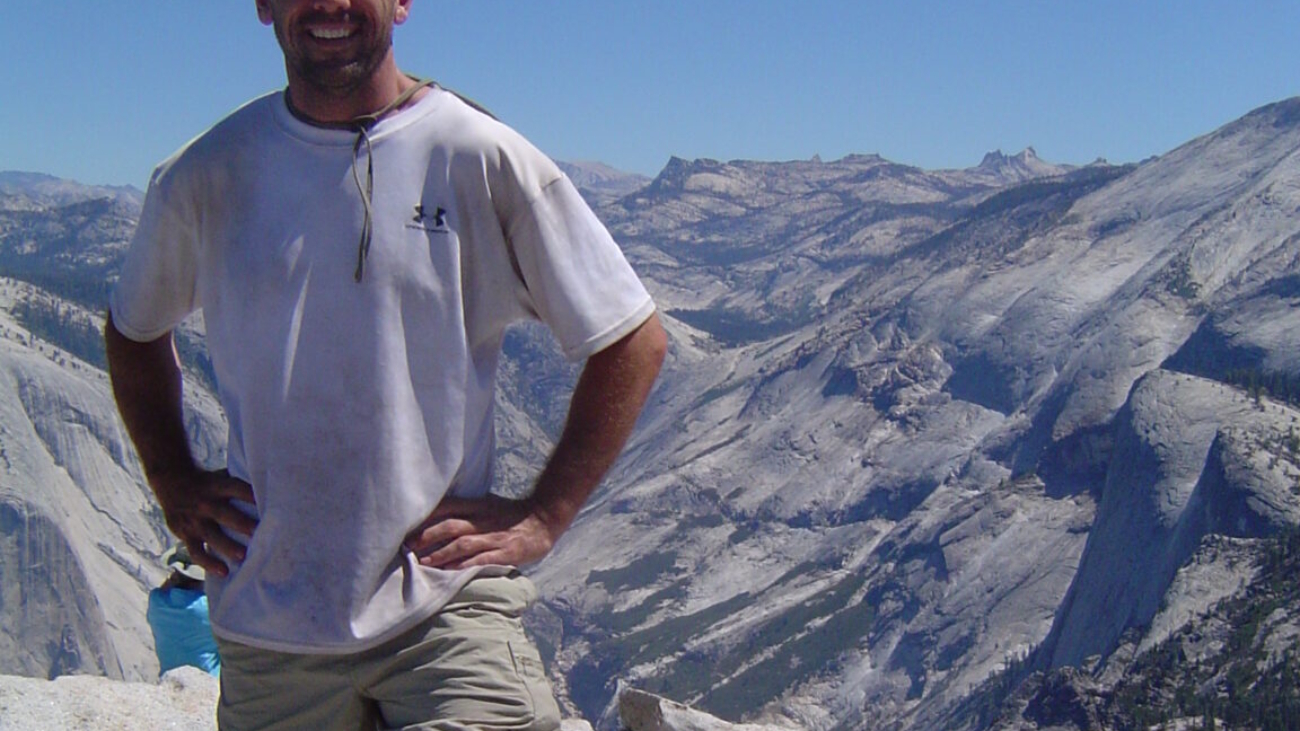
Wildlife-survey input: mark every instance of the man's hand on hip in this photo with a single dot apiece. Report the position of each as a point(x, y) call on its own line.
point(461, 533)
point(607, 399)
point(199, 508)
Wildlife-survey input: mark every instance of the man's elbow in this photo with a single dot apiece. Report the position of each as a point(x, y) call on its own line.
point(652, 343)
point(124, 353)
point(634, 359)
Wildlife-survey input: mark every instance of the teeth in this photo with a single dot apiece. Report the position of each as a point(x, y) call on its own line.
point(330, 33)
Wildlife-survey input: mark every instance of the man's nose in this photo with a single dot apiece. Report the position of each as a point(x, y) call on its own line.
point(331, 6)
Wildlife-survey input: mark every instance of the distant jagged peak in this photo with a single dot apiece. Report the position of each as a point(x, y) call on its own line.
point(1023, 165)
point(1028, 154)
point(680, 167)
point(992, 160)
point(997, 159)
point(676, 163)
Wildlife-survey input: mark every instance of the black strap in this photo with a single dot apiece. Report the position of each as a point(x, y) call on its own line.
point(362, 126)
point(367, 121)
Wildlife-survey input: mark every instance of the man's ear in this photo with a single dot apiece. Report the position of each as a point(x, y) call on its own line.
point(400, 13)
point(264, 12)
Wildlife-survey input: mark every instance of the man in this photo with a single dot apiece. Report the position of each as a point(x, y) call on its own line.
point(357, 245)
point(178, 617)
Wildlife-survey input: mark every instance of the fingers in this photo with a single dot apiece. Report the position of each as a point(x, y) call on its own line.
point(456, 517)
point(231, 517)
point(233, 488)
point(460, 533)
point(210, 561)
point(455, 554)
point(493, 549)
point(490, 558)
point(219, 544)
point(210, 546)
point(201, 511)
point(433, 536)
point(236, 521)
point(519, 545)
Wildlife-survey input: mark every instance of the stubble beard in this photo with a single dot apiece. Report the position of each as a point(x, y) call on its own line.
point(337, 77)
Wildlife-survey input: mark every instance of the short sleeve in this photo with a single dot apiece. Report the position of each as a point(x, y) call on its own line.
point(577, 279)
point(157, 287)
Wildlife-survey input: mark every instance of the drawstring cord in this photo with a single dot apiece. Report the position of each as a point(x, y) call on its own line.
point(362, 126)
point(367, 192)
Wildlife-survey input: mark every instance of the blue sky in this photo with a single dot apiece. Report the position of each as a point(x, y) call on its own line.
point(99, 91)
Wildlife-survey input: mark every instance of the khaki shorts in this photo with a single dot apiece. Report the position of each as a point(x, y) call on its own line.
point(468, 667)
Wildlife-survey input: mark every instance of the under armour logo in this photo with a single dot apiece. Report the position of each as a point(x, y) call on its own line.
point(439, 216)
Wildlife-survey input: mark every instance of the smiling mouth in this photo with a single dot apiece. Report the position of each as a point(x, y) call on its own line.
point(330, 34)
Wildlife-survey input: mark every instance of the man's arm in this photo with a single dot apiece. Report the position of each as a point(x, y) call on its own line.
point(196, 503)
point(606, 402)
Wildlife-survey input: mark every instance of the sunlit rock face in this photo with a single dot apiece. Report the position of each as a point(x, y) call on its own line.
point(916, 427)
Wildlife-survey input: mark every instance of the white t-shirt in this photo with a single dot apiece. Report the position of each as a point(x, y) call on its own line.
point(353, 407)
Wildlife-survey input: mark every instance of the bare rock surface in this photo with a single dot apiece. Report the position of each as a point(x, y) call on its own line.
point(184, 699)
point(641, 711)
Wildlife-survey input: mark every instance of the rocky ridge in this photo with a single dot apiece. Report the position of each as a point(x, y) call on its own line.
point(186, 698)
point(897, 422)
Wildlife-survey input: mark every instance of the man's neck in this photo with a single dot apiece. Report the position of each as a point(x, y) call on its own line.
point(339, 106)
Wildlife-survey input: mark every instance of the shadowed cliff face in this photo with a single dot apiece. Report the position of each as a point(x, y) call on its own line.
point(1193, 458)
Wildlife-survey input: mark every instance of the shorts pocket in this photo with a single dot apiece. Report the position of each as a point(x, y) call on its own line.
point(532, 675)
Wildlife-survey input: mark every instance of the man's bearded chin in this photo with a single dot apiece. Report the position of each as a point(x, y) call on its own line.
point(336, 77)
